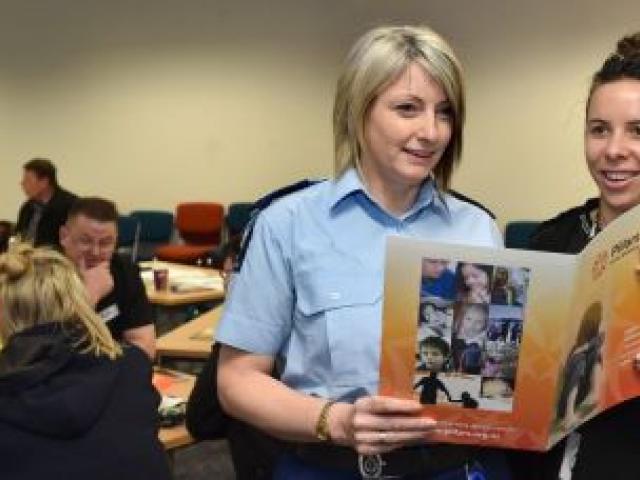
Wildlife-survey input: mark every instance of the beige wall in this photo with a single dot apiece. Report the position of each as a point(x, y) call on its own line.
point(152, 102)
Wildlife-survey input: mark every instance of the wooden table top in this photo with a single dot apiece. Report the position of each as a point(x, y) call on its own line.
point(187, 284)
point(180, 386)
point(191, 340)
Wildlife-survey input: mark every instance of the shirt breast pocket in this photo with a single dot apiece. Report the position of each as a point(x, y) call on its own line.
point(345, 311)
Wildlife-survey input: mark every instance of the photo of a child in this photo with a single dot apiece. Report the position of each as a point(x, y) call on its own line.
point(437, 280)
point(473, 282)
point(497, 393)
point(470, 328)
point(434, 354)
point(509, 286)
point(436, 318)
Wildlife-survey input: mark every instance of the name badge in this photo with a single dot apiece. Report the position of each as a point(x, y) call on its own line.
point(109, 313)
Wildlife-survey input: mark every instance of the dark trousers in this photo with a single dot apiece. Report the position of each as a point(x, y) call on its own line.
point(490, 467)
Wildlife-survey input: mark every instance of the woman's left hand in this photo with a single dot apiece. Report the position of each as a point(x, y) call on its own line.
point(376, 424)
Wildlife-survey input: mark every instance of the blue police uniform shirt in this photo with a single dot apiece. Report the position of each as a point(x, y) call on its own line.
point(309, 291)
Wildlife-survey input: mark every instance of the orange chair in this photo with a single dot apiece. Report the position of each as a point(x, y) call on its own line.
point(199, 225)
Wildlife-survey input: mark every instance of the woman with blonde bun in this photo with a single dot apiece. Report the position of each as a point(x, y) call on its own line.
point(73, 403)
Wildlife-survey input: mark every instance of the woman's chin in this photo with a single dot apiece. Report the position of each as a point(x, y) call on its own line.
point(620, 202)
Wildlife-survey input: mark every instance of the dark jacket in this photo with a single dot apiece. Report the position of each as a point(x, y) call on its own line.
point(53, 217)
point(610, 443)
point(68, 416)
point(253, 452)
point(567, 232)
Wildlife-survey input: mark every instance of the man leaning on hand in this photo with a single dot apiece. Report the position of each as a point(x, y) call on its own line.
point(89, 239)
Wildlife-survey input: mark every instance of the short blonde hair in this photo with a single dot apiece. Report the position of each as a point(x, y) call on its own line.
point(40, 286)
point(373, 63)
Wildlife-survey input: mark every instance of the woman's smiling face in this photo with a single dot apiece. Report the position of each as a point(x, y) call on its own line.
point(612, 145)
point(407, 129)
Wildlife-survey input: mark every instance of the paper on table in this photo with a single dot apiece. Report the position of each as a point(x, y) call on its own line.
point(189, 283)
point(170, 401)
point(181, 281)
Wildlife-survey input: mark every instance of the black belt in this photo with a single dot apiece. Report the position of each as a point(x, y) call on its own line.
point(403, 461)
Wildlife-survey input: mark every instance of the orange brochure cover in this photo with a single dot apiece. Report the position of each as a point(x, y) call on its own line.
point(512, 348)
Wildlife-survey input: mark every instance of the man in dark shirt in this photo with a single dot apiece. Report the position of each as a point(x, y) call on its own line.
point(47, 205)
point(114, 285)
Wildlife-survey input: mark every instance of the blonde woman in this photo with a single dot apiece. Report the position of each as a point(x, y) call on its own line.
point(73, 404)
point(309, 291)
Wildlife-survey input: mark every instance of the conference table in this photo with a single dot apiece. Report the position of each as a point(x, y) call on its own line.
point(192, 340)
point(180, 385)
point(186, 284)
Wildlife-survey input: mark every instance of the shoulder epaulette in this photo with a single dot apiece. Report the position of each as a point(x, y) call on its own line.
point(466, 199)
point(261, 204)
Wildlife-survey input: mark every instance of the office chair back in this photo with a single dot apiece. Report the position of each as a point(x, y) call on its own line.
point(128, 236)
point(200, 223)
point(517, 233)
point(156, 228)
point(238, 216)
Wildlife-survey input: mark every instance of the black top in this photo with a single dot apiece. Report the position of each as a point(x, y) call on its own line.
point(71, 416)
point(127, 305)
point(54, 215)
point(610, 442)
point(568, 232)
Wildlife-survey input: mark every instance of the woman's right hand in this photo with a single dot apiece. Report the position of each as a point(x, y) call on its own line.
point(376, 424)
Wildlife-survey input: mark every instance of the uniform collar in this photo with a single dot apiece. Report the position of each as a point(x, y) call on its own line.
point(349, 183)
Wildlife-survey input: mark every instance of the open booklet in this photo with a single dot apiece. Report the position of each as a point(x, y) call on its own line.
point(512, 348)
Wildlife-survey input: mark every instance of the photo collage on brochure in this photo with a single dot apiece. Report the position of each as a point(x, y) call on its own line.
point(470, 326)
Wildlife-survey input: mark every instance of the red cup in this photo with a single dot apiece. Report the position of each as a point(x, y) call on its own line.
point(161, 279)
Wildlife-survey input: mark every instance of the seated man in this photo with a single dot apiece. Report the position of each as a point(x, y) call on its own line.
point(47, 204)
point(89, 239)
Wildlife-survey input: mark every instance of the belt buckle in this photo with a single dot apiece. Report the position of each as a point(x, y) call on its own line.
point(371, 467)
